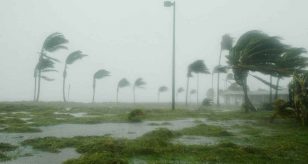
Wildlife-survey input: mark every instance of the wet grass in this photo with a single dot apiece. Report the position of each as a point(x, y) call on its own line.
point(5, 147)
point(205, 130)
point(244, 137)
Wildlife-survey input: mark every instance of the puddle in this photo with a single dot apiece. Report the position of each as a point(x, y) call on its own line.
point(117, 130)
point(196, 140)
point(45, 157)
point(80, 114)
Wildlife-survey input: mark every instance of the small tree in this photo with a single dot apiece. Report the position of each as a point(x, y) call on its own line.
point(179, 91)
point(98, 75)
point(71, 58)
point(122, 83)
point(139, 83)
point(161, 90)
point(51, 44)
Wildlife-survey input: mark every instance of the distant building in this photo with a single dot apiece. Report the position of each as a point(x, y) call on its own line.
point(257, 97)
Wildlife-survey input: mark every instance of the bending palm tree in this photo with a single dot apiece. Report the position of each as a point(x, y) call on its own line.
point(192, 92)
point(255, 51)
point(219, 69)
point(71, 58)
point(98, 75)
point(122, 83)
point(180, 90)
point(139, 83)
point(226, 44)
point(160, 90)
point(52, 43)
point(197, 67)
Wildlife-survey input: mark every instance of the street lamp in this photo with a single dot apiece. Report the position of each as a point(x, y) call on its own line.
point(172, 4)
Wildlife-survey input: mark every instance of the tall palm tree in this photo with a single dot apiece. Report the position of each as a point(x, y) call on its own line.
point(179, 91)
point(225, 44)
point(219, 69)
point(122, 83)
point(192, 92)
point(196, 67)
point(255, 51)
point(160, 90)
point(98, 75)
point(139, 83)
point(71, 58)
point(51, 44)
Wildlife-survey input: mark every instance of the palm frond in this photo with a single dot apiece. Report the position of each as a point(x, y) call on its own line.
point(123, 83)
point(193, 91)
point(47, 78)
point(226, 42)
point(139, 83)
point(162, 89)
point(266, 82)
point(54, 42)
point(197, 66)
point(101, 73)
point(180, 90)
point(74, 56)
point(220, 69)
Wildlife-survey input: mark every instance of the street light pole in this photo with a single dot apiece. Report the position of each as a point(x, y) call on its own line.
point(169, 4)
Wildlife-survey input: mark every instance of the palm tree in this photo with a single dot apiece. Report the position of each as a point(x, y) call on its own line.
point(51, 44)
point(122, 83)
point(219, 69)
point(255, 51)
point(193, 91)
point(98, 75)
point(196, 67)
point(180, 90)
point(293, 61)
point(160, 90)
point(225, 44)
point(139, 83)
point(71, 58)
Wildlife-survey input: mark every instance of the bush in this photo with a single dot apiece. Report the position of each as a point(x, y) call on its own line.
point(207, 102)
point(136, 115)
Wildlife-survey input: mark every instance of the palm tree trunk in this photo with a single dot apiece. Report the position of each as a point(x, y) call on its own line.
point(187, 88)
point(247, 103)
point(218, 78)
point(94, 83)
point(63, 87)
point(117, 95)
point(134, 94)
point(271, 91)
point(197, 89)
point(213, 86)
point(68, 92)
point(35, 86)
point(38, 86)
point(277, 86)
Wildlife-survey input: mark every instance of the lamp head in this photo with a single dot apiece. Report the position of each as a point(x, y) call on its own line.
point(168, 4)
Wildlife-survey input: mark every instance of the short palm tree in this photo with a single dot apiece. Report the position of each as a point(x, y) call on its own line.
point(225, 44)
point(139, 83)
point(71, 58)
point(192, 92)
point(196, 67)
point(161, 90)
point(179, 91)
point(51, 44)
point(98, 75)
point(122, 83)
point(219, 69)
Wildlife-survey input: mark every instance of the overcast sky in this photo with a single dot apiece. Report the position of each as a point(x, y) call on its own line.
point(132, 38)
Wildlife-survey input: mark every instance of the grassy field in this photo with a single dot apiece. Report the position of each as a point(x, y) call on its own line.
point(219, 135)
